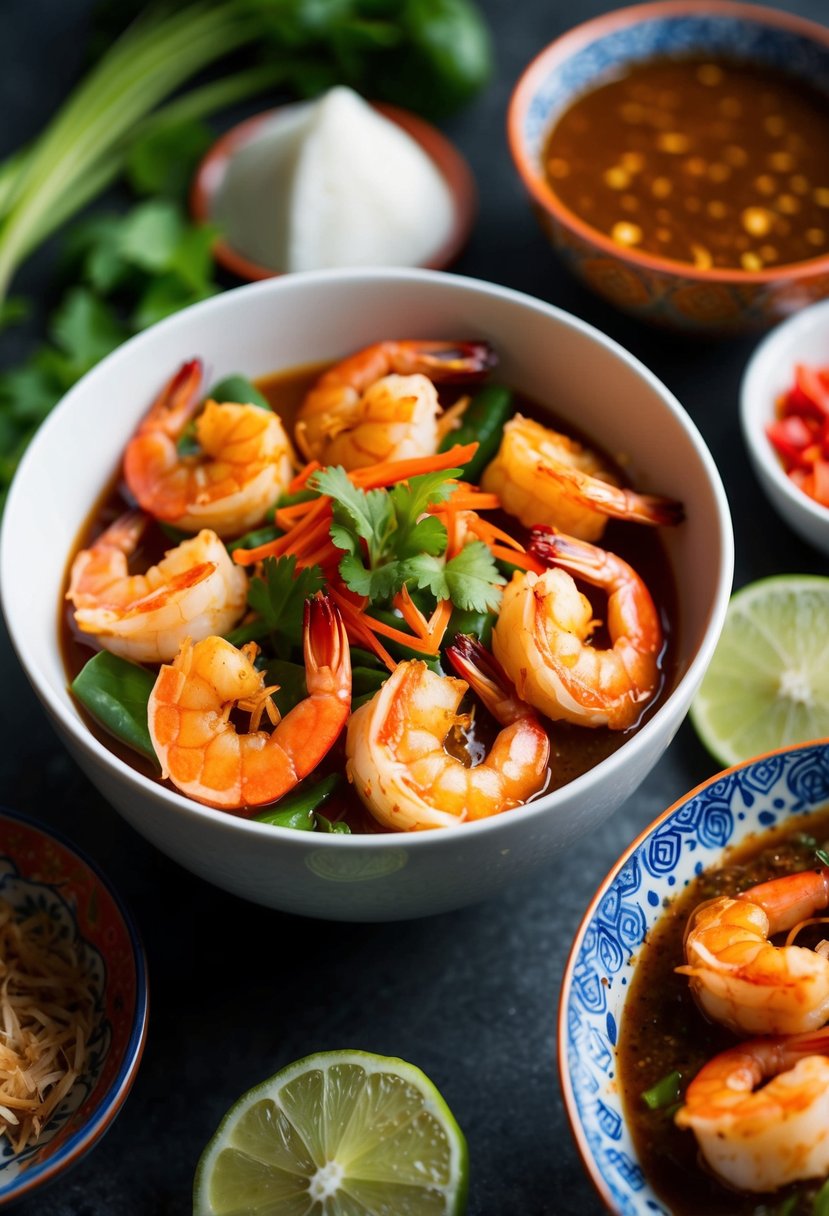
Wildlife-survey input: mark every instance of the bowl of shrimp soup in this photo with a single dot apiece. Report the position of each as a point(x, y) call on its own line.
point(569, 372)
point(663, 1070)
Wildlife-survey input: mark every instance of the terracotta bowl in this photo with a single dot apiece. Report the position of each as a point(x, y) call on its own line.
point(40, 869)
point(653, 288)
point(210, 175)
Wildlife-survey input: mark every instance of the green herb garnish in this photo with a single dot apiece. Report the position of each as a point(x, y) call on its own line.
point(664, 1093)
point(388, 542)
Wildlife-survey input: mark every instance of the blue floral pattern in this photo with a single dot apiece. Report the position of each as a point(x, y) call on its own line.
point(749, 799)
point(27, 898)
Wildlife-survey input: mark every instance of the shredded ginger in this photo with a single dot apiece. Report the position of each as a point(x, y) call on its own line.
point(46, 1018)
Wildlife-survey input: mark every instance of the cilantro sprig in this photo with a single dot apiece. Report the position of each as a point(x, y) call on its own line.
point(389, 541)
point(278, 598)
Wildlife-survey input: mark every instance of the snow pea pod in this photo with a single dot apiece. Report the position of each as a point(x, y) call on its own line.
point(116, 693)
point(239, 389)
point(482, 422)
point(297, 810)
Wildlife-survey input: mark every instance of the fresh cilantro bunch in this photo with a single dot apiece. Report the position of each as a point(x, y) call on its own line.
point(389, 541)
point(127, 270)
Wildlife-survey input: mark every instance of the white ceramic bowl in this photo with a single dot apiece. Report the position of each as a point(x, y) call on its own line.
point(301, 319)
point(804, 338)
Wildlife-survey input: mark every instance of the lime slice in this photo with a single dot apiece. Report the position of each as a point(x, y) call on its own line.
point(340, 1133)
point(768, 682)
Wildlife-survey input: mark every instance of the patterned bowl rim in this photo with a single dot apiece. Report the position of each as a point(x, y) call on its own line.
point(566, 45)
point(446, 158)
point(110, 1103)
point(591, 1168)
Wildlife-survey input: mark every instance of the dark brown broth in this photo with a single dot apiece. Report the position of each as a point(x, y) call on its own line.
point(574, 750)
point(700, 160)
point(662, 1029)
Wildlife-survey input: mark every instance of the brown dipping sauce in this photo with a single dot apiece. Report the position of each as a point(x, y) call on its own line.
point(704, 161)
point(574, 749)
point(662, 1030)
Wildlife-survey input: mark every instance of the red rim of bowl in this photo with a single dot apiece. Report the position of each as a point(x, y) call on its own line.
point(448, 160)
point(562, 48)
point(578, 937)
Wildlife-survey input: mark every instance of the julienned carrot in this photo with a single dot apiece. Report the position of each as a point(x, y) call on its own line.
point(438, 622)
point(319, 509)
point(358, 631)
point(378, 475)
point(410, 612)
point(515, 558)
point(298, 483)
point(287, 517)
point(488, 532)
point(464, 499)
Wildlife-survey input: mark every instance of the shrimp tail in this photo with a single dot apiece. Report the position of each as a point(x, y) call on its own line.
point(177, 401)
point(323, 633)
point(459, 361)
point(487, 678)
point(613, 500)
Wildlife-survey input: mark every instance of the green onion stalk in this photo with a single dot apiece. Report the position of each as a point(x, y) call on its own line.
point(83, 148)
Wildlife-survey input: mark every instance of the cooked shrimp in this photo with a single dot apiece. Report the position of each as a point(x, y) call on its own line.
point(244, 466)
point(194, 591)
point(380, 404)
point(739, 978)
point(759, 1139)
point(544, 477)
point(399, 764)
point(542, 636)
point(199, 747)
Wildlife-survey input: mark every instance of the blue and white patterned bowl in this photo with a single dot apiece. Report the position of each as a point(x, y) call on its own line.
point(654, 288)
point(41, 871)
point(688, 838)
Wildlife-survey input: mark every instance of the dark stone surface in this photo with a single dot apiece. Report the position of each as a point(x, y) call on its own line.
point(238, 991)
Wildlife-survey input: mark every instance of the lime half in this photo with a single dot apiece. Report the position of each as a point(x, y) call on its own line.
point(768, 682)
point(340, 1133)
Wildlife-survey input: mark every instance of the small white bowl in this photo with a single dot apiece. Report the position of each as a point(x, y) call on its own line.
point(804, 338)
point(299, 319)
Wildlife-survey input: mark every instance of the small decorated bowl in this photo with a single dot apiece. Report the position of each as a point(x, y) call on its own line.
point(650, 286)
point(804, 338)
point(688, 838)
point(41, 871)
point(244, 215)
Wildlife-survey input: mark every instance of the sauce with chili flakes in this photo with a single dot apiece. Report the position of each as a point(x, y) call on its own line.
point(662, 1030)
point(703, 161)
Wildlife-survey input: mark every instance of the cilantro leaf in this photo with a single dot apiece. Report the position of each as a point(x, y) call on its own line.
point(85, 329)
point(150, 234)
point(426, 571)
point(358, 514)
point(162, 160)
point(279, 596)
point(473, 580)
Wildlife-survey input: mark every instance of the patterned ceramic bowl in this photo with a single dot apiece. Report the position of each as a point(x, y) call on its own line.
point(653, 288)
point(39, 870)
point(690, 836)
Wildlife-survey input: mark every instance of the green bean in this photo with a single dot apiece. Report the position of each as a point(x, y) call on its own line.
point(289, 500)
point(476, 624)
point(482, 422)
point(367, 679)
point(337, 828)
point(821, 1201)
point(297, 810)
